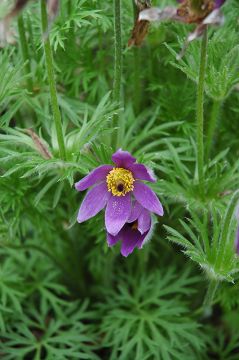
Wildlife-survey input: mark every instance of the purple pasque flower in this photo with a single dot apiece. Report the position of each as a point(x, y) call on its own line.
point(135, 233)
point(114, 187)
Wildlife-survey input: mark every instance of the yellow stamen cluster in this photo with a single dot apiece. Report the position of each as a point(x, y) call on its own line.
point(120, 181)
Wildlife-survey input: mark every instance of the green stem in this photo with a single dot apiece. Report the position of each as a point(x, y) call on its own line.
point(210, 294)
point(137, 85)
point(200, 113)
point(25, 52)
point(117, 58)
point(31, 41)
point(69, 7)
point(52, 85)
point(136, 69)
point(212, 126)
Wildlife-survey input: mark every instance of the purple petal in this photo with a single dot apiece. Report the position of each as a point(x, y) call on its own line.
point(147, 198)
point(130, 240)
point(94, 201)
point(96, 175)
point(141, 172)
point(112, 240)
point(117, 213)
point(157, 14)
point(214, 18)
point(147, 236)
point(237, 241)
point(123, 158)
point(135, 211)
point(144, 221)
point(219, 3)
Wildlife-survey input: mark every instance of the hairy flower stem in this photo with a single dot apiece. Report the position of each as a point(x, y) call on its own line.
point(200, 114)
point(117, 60)
point(51, 80)
point(136, 70)
point(25, 52)
point(210, 294)
point(212, 126)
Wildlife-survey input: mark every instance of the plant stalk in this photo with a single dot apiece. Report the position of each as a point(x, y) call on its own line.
point(212, 126)
point(200, 113)
point(51, 80)
point(210, 294)
point(117, 59)
point(25, 52)
point(136, 70)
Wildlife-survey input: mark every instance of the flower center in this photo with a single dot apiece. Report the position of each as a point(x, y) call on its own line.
point(120, 181)
point(134, 225)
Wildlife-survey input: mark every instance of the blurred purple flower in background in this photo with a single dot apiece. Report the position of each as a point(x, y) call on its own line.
point(6, 35)
point(200, 12)
point(127, 199)
point(237, 241)
point(237, 233)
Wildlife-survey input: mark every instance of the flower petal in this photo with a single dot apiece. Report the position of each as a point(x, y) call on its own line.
point(141, 172)
point(135, 211)
point(130, 240)
point(147, 198)
point(95, 176)
point(214, 18)
point(123, 158)
point(219, 3)
point(237, 241)
point(112, 240)
point(144, 221)
point(157, 14)
point(117, 213)
point(94, 201)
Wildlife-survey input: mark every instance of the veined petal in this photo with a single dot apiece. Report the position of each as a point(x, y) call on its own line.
point(94, 201)
point(123, 158)
point(141, 172)
point(95, 176)
point(112, 240)
point(144, 221)
point(136, 209)
point(130, 240)
point(117, 213)
point(147, 198)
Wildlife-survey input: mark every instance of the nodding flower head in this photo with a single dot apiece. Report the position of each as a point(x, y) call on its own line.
point(117, 188)
point(135, 233)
